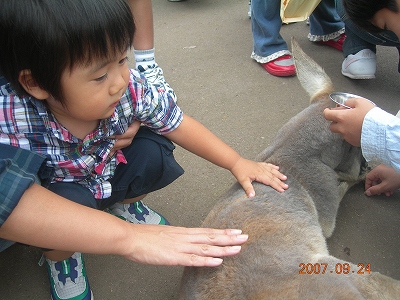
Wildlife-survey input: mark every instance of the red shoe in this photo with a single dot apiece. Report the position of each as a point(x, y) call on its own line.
point(282, 66)
point(336, 43)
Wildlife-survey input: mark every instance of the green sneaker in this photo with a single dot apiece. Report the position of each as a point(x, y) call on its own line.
point(137, 213)
point(68, 279)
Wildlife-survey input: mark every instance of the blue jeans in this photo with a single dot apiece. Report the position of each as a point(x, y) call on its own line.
point(358, 39)
point(266, 23)
point(325, 22)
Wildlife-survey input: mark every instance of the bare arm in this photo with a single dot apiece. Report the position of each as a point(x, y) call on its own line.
point(197, 139)
point(39, 219)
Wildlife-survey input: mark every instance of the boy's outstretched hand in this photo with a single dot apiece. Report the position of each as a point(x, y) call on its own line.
point(196, 138)
point(246, 171)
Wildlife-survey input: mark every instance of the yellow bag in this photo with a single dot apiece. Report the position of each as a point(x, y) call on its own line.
point(297, 10)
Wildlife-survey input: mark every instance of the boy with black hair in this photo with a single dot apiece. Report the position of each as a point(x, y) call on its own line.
point(69, 91)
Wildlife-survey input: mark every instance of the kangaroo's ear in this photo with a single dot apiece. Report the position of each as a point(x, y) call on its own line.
point(30, 85)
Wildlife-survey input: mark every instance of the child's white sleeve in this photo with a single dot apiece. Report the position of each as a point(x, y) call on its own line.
point(380, 138)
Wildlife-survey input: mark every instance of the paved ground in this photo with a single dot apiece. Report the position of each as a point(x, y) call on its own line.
point(204, 48)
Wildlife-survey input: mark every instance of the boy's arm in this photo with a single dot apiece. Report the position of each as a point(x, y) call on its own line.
point(196, 138)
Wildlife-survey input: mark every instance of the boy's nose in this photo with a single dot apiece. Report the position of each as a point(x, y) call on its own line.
point(118, 85)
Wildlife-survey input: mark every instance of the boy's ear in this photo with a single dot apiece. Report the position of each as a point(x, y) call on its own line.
point(30, 85)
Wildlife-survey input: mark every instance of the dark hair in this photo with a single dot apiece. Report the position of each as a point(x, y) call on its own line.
point(361, 11)
point(49, 36)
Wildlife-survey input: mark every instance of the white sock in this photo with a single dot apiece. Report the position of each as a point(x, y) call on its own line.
point(144, 57)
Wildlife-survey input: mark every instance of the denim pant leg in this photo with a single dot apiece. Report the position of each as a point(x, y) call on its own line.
point(75, 192)
point(358, 39)
point(325, 23)
point(265, 25)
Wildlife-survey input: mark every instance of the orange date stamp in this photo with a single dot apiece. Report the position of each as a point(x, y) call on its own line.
point(339, 268)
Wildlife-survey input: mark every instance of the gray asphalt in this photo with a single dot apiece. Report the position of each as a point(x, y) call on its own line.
point(204, 48)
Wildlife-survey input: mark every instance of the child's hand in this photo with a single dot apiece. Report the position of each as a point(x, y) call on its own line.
point(247, 171)
point(382, 179)
point(348, 122)
point(124, 140)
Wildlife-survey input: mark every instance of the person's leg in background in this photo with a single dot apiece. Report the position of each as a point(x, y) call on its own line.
point(326, 27)
point(143, 44)
point(269, 48)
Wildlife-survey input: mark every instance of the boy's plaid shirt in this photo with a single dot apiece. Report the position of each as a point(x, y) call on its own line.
point(27, 123)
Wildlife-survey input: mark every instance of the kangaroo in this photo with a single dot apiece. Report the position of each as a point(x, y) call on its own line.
point(286, 256)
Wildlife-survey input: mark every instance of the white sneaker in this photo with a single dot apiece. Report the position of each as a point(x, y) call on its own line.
point(361, 65)
point(154, 74)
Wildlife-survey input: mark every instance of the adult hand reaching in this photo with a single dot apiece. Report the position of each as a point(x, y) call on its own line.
point(169, 245)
